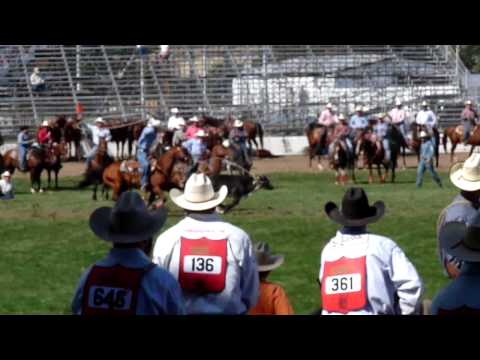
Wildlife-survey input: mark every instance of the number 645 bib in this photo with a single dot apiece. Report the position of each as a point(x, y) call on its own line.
point(344, 285)
point(203, 265)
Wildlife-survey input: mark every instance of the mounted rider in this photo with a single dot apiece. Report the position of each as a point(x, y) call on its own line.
point(197, 148)
point(469, 119)
point(327, 119)
point(193, 128)
point(399, 118)
point(426, 120)
point(99, 131)
point(145, 142)
point(44, 136)
point(238, 137)
point(24, 142)
point(179, 134)
point(341, 134)
point(380, 130)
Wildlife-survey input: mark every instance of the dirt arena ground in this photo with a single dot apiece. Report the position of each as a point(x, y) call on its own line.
point(298, 164)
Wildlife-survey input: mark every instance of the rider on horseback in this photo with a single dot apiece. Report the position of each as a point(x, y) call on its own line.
point(147, 138)
point(98, 132)
point(44, 137)
point(399, 118)
point(380, 130)
point(328, 119)
point(341, 134)
point(24, 142)
point(238, 137)
point(469, 118)
point(197, 148)
point(426, 120)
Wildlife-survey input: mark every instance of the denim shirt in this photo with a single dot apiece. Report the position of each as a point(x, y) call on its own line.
point(159, 292)
point(147, 139)
point(427, 151)
point(23, 139)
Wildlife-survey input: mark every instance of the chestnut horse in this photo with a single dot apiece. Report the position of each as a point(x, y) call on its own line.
point(455, 134)
point(35, 166)
point(215, 163)
point(121, 177)
point(53, 161)
point(161, 178)
point(341, 163)
point(318, 141)
point(373, 154)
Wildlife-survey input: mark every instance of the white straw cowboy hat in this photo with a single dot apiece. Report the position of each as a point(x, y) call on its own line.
point(238, 124)
point(462, 241)
point(423, 134)
point(424, 104)
point(199, 194)
point(398, 103)
point(265, 260)
point(194, 119)
point(226, 143)
point(359, 108)
point(341, 117)
point(466, 175)
point(468, 102)
point(329, 106)
point(128, 222)
point(99, 120)
point(174, 111)
point(45, 124)
point(6, 174)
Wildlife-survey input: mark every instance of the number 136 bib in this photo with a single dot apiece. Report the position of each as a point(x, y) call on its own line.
point(203, 265)
point(344, 285)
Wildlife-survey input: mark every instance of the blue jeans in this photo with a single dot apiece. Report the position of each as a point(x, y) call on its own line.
point(91, 155)
point(466, 130)
point(386, 147)
point(22, 157)
point(142, 158)
point(422, 167)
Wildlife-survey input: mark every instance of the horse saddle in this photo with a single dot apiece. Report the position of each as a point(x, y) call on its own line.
point(459, 130)
point(129, 166)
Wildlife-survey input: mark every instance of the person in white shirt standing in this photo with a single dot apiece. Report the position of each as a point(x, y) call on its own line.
point(6, 187)
point(363, 273)
point(99, 131)
point(213, 260)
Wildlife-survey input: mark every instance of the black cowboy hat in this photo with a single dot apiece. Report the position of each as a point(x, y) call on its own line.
point(355, 209)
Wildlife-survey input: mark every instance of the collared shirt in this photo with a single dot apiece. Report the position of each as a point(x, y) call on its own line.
point(192, 131)
point(147, 138)
point(464, 291)
point(469, 114)
point(159, 292)
point(381, 130)
point(173, 123)
point(44, 136)
point(427, 151)
point(358, 122)
point(273, 301)
point(327, 118)
point(5, 187)
point(242, 283)
point(195, 147)
point(427, 118)
point(393, 284)
point(398, 115)
point(98, 133)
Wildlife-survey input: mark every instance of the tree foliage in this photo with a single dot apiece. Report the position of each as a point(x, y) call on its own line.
point(470, 55)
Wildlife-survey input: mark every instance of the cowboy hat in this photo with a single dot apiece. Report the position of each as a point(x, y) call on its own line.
point(174, 111)
point(99, 120)
point(199, 194)
point(329, 106)
point(128, 222)
point(265, 260)
point(423, 134)
point(355, 209)
point(45, 124)
point(468, 102)
point(365, 109)
point(359, 108)
point(466, 175)
point(154, 123)
point(424, 104)
point(6, 174)
point(226, 143)
point(462, 241)
point(341, 117)
point(194, 119)
point(238, 124)
point(398, 103)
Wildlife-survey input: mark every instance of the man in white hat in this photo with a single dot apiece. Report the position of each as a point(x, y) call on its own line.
point(173, 120)
point(399, 118)
point(358, 121)
point(213, 260)
point(99, 131)
point(126, 282)
point(144, 146)
point(362, 273)
point(197, 148)
point(238, 137)
point(193, 128)
point(328, 118)
point(6, 187)
point(24, 142)
point(461, 296)
point(179, 134)
point(469, 119)
point(44, 135)
point(427, 153)
point(36, 80)
point(464, 207)
point(426, 120)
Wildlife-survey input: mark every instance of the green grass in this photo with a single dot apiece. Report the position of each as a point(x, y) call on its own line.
point(47, 244)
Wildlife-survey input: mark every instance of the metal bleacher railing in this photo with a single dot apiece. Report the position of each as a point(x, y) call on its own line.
point(280, 85)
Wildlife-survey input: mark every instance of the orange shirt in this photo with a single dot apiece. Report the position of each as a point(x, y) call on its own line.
point(272, 301)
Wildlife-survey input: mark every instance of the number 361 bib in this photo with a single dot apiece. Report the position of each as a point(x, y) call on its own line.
point(203, 265)
point(344, 285)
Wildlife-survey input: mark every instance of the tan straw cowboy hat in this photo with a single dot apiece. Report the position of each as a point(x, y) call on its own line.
point(199, 194)
point(265, 260)
point(462, 241)
point(466, 175)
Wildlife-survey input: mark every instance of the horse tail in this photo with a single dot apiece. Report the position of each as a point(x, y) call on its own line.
point(260, 133)
point(445, 138)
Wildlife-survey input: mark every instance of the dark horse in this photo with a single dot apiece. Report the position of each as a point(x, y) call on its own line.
point(373, 154)
point(73, 138)
point(341, 162)
point(53, 161)
point(317, 143)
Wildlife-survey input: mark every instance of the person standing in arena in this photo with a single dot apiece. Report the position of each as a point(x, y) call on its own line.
point(126, 282)
point(464, 207)
point(213, 260)
point(427, 152)
point(362, 273)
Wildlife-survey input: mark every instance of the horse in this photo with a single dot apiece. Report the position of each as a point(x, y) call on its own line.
point(53, 161)
point(35, 166)
point(121, 177)
point(120, 136)
point(341, 162)
point(455, 134)
point(373, 155)
point(161, 173)
point(319, 139)
point(73, 138)
point(94, 174)
point(133, 134)
point(215, 164)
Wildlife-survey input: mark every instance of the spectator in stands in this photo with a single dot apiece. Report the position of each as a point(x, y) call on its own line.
point(461, 296)
point(37, 82)
point(99, 131)
point(469, 119)
point(6, 187)
point(126, 282)
point(399, 118)
point(464, 207)
point(362, 273)
point(24, 143)
point(142, 50)
point(164, 52)
point(193, 128)
point(273, 299)
point(213, 260)
point(145, 142)
point(427, 153)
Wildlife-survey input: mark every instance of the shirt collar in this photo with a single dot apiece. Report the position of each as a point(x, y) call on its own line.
point(353, 230)
point(204, 217)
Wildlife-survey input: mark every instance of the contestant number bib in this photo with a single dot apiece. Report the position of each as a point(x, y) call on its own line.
point(202, 265)
point(342, 284)
point(101, 297)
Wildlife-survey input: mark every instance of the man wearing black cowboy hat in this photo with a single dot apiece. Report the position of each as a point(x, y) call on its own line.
point(126, 282)
point(362, 273)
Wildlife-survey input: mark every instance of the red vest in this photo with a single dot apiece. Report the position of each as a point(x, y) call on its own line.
point(344, 285)
point(112, 291)
point(203, 265)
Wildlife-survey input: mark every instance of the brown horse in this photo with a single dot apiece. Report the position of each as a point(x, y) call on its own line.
point(134, 133)
point(317, 144)
point(341, 162)
point(73, 138)
point(373, 154)
point(455, 134)
point(215, 163)
point(53, 161)
point(35, 166)
point(162, 169)
point(121, 177)
point(94, 174)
